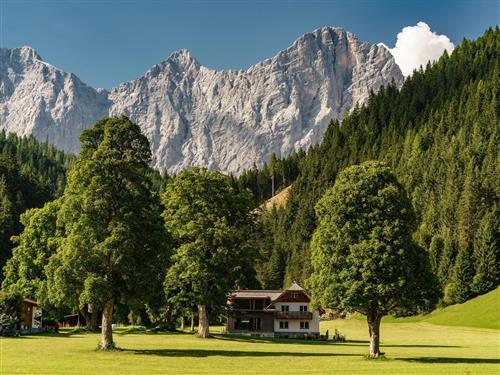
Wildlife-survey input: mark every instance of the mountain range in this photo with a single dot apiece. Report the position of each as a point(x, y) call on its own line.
point(226, 120)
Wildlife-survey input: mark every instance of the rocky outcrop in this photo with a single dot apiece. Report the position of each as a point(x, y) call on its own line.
point(192, 115)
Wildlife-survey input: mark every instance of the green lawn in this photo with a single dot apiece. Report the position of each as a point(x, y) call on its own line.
point(411, 348)
point(479, 312)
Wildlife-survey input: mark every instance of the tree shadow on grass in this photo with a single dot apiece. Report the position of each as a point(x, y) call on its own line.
point(450, 360)
point(264, 340)
point(47, 334)
point(201, 353)
point(420, 346)
point(319, 342)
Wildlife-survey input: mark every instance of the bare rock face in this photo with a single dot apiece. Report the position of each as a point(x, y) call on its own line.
point(37, 98)
point(192, 115)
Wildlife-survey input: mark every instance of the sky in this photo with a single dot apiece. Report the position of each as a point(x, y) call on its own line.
point(106, 42)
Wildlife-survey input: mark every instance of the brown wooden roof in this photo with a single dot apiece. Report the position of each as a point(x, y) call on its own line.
point(255, 294)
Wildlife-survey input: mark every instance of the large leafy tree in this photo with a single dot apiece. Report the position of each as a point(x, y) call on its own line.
point(363, 255)
point(25, 271)
point(115, 247)
point(211, 224)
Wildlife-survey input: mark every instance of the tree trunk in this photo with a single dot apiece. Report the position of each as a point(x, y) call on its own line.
point(272, 185)
point(169, 323)
point(203, 329)
point(83, 313)
point(182, 323)
point(192, 321)
point(92, 324)
point(106, 328)
point(374, 317)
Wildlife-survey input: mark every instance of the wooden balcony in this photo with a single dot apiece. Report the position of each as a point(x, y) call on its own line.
point(303, 315)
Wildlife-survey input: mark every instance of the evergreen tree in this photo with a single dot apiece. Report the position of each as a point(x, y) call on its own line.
point(458, 289)
point(487, 254)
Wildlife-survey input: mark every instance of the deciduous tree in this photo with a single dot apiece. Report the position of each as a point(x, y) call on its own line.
point(115, 247)
point(364, 258)
point(211, 224)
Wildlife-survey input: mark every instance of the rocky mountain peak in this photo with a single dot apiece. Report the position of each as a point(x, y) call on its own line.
point(24, 54)
point(192, 115)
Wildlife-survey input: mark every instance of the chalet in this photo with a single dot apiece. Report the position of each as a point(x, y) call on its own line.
point(273, 313)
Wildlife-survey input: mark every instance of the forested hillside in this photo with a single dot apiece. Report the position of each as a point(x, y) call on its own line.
point(440, 134)
point(31, 173)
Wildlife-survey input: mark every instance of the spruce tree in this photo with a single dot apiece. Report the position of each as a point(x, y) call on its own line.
point(487, 254)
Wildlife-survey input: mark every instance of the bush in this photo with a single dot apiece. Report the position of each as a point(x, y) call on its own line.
point(10, 313)
point(50, 325)
point(338, 337)
point(134, 329)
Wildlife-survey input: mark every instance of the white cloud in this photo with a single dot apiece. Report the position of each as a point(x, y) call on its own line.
point(416, 45)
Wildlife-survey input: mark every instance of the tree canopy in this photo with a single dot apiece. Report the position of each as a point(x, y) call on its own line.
point(211, 225)
point(114, 247)
point(363, 255)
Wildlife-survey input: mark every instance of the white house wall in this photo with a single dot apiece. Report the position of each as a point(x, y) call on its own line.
point(294, 324)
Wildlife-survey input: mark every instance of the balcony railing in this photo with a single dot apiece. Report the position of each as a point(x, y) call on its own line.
point(305, 315)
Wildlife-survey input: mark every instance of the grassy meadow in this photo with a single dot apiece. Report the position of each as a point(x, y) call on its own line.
point(464, 342)
point(411, 348)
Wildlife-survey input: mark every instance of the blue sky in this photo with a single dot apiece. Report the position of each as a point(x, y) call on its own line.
point(106, 42)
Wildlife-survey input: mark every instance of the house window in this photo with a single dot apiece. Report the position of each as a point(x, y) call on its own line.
point(283, 324)
point(304, 325)
point(294, 295)
point(285, 308)
point(303, 308)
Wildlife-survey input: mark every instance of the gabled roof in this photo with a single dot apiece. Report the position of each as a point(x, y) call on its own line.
point(271, 294)
point(30, 302)
point(295, 286)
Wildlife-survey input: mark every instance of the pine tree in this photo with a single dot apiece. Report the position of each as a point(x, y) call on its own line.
point(487, 254)
point(435, 252)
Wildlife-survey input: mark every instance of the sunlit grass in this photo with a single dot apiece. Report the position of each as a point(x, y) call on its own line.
point(414, 348)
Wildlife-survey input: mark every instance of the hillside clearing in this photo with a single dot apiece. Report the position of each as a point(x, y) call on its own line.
point(278, 200)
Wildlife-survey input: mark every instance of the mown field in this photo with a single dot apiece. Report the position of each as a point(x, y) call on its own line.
point(411, 348)
point(415, 347)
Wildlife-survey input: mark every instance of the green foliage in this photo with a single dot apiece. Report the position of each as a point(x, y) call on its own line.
point(363, 255)
point(440, 136)
point(25, 271)
point(114, 246)
point(486, 254)
point(212, 225)
point(362, 250)
point(10, 312)
point(31, 173)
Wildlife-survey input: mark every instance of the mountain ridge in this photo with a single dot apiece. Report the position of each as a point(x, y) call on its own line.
point(194, 115)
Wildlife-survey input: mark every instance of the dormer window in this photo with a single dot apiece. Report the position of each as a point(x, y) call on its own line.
point(294, 295)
